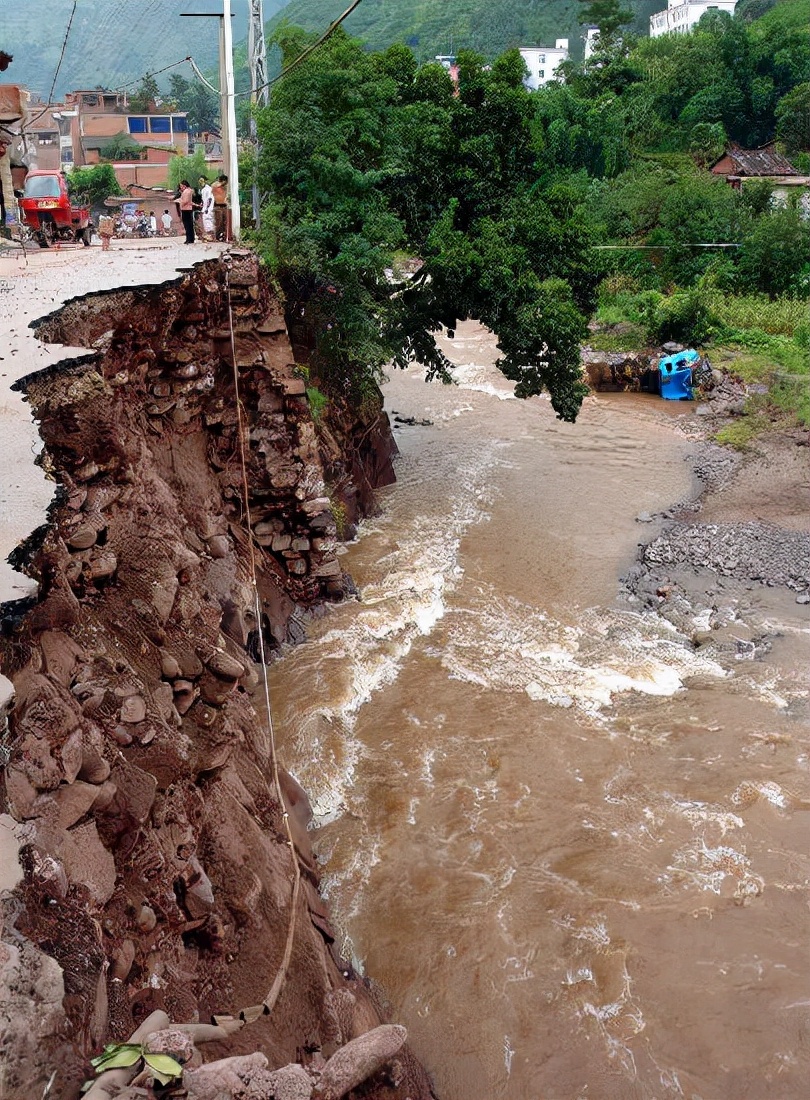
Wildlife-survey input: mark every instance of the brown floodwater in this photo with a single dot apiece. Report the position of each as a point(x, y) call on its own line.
point(571, 849)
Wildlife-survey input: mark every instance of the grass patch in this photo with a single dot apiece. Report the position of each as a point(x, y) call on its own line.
point(780, 317)
point(317, 402)
point(760, 341)
point(743, 432)
point(629, 338)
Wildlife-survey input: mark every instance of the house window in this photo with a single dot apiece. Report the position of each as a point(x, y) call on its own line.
point(542, 74)
point(179, 125)
point(67, 156)
point(160, 124)
point(137, 125)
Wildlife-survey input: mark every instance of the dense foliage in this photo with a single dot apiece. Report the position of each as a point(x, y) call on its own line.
point(94, 183)
point(364, 154)
point(503, 194)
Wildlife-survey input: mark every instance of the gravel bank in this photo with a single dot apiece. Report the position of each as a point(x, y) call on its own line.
point(746, 551)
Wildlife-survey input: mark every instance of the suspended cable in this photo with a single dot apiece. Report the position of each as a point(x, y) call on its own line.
point(301, 57)
point(157, 72)
point(657, 247)
point(58, 67)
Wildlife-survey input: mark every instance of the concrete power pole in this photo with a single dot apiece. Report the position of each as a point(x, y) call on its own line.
point(229, 116)
point(257, 63)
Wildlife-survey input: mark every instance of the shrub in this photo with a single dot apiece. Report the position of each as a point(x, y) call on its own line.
point(685, 316)
point(317, 402)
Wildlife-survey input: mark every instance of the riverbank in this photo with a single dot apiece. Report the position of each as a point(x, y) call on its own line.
point(747, 531)
point(156, 860)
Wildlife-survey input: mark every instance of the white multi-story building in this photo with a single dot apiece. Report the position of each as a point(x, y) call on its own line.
point(591, 41)
point(543, 62)
point(682, 15)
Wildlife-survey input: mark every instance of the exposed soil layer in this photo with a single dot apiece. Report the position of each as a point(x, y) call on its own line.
point(156, 871)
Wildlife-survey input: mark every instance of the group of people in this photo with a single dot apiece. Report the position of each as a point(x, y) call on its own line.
point(136, 224)
point(211, 201)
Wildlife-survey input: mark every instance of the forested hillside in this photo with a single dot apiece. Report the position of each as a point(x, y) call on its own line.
point(509, 199)
point(433, 27)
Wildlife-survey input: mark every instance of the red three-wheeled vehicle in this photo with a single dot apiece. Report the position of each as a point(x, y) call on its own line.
point(48, 212)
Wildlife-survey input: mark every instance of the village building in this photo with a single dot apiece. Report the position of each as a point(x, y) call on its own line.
point(543, 62)
point(43, 138)
point(97, 116)
point(591, 38)
point(680, 17)
point(739, 165)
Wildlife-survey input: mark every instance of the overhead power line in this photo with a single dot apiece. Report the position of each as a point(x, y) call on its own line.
point(58, 67)
point(329, 30)
point(157, 72)
point(301, 57)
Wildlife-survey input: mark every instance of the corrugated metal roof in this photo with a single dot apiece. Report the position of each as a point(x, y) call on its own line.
point(760, 162)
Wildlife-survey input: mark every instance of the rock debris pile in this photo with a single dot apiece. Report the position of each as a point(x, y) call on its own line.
point(153, 879)
point(753, 551)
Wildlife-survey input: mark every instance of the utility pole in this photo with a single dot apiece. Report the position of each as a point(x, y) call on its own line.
point(257, 64)
point(227, 108)
point(233, 151)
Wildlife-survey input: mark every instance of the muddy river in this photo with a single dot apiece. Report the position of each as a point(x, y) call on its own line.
point(571, 848)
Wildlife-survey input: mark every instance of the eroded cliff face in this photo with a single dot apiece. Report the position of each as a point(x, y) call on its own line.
point(138, 780)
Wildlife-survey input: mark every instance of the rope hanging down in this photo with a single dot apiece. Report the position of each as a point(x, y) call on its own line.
point(248, 1015)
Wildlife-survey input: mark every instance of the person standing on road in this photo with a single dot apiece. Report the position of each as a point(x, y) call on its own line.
point(207, 199)
point(166, 221)
point(186, 204)
point(106, 228)
point(220, 190)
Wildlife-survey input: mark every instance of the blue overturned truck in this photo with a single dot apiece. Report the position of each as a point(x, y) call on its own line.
point(675, 375)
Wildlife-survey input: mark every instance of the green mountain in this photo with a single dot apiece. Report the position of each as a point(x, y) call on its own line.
point(111, 42)
point(433, 27)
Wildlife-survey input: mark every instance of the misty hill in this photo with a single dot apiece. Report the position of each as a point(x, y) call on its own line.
point(114, 42)
point(111, 42)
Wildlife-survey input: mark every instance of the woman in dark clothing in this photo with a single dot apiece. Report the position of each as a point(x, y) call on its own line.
point(187, 210)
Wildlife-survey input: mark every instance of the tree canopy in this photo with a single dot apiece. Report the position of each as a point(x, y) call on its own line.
point(365, 155)
point(96, 181)
point(499, 194)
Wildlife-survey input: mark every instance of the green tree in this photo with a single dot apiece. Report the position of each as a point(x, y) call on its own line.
point(707, 142)
point(95, 181)
point(178, 90)
point(608, 15)
point(187, 168)
point(143, 98)
point(197, 100)
point(774, 254)
point(361, 158)
point(793, 119)
point(121, 147)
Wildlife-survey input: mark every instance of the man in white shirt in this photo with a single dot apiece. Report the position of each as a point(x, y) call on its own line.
point(166, 222)
point(207, 197)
